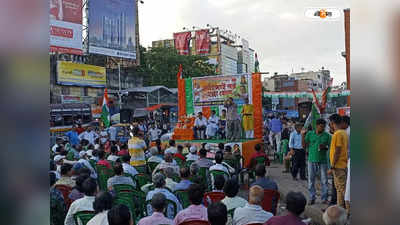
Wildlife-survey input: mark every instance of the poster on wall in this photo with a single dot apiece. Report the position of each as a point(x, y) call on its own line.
point(112, 28)
point(69, 73)
point(202, 42)
point(182, 42)
point(66, 26)
point(208, 91)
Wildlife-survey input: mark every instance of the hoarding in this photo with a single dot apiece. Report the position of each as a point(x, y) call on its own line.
point(69, 73)
point(182, 42)
point(112, 28)
point(66, 26)
point(208, 91)
point(202, 42)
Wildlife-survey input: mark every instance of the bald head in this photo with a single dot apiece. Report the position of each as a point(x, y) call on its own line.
point(335, 215)
point(256, 195)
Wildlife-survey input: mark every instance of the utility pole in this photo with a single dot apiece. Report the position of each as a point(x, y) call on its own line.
point(347, 51)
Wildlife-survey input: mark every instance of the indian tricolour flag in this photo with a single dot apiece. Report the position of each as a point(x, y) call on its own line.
point(105, 112)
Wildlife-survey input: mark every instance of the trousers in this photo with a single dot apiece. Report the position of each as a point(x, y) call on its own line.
point(315, 168)
point(277, 139)
point(233, 130)
point(299, 163)
point(340, 177)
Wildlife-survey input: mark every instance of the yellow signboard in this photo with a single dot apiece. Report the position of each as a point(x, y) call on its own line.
point(69, 73)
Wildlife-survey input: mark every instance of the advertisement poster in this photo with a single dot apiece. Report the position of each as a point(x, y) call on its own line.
point(202, 42)
point(182, 42)
point(208, 91)
point(69, 73)
point(66, 26)
point(112, 28)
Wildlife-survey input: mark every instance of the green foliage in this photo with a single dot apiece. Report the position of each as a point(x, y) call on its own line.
point(159, 66)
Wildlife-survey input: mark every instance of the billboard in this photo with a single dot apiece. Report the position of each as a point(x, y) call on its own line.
point(69, 73)
point(66, 26)
point(202, 42)
point(182, 42)
point(112, 28)
point(208, 91)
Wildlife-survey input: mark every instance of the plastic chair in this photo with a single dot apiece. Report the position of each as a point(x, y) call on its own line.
point(152, 166)
point(183, 197)
point(195, 222)
point(188, 163)
point(141, 169)
point(65, 191)
point(93, 164)
point(214, 173)
point(83, 217)
point(141, 179)
point(103, 174)
point(270, 196)
point(179, 161)
point(231, 212)
point(213, 196)
point(126, 197)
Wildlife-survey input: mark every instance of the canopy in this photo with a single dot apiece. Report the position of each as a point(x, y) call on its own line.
point(155, 107)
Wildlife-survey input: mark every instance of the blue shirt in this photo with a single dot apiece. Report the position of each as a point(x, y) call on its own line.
point(183, 185)
point(275, 125)
point(73, 137)
point(169, 196)
point(295, 140)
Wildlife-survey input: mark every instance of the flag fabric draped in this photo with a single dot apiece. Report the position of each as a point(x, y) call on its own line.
point(256, 65)
point(105, 112)
point(314, 114)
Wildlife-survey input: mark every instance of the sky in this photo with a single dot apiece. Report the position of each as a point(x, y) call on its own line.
point(283, 38)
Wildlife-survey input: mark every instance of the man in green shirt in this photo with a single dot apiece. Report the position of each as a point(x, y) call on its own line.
point(317, 142)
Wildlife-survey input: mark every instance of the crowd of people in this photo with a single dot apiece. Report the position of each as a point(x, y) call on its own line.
point(212, 196)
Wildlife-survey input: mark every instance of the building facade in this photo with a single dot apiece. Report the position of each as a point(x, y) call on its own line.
point(320, 78)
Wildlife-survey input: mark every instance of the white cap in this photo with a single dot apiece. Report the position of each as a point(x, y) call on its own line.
point(82, 153)
point(58, 158)
point(193, 149)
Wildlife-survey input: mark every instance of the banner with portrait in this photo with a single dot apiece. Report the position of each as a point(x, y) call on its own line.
point(182, 42)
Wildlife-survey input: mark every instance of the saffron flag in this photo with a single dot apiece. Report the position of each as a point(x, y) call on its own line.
point(105, 112)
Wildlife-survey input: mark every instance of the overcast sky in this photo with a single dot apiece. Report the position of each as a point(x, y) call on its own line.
point(277, 30)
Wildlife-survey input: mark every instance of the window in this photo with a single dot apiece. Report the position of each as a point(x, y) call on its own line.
point(65, 90)
point(84, 91)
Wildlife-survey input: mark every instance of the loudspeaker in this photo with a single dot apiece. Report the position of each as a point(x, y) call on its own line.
point(126, 115)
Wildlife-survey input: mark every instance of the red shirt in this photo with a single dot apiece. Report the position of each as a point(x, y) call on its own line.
point(104, 163)
point(123, 152)
point(79, 130)
point(180, 156)
point(255, 155)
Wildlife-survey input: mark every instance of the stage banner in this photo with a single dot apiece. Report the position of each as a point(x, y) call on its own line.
point(209, 91)
point(202, 42)
point(112, 28)
point(69, 73)
point(66, 26)
point(257, 104)
point(189, 96)
point(182, 42)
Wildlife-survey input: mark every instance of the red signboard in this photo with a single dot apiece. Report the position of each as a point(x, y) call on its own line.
point(202, 42)
point(182, 42)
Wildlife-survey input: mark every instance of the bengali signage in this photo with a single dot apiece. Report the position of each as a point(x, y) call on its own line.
point(202, 42)
point(182, 42)
point(66, 26)
point(112, 28)
point(69, 73)
point(209, 91)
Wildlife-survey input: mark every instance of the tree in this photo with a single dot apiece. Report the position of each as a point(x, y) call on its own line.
point(159, 66)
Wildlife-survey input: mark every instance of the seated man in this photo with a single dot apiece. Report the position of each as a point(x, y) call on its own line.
point(66, 176)
point(114, 154)
point(119, 215)
point(295, 204)
point(231, 200)
point(196, 211)
point(219, 165)
point(203, 161)
point(259, 153)
point(101, 205)
point(172, 149)
point(335, 215)
point(228, 153)
point(179, 153)
point(102, 160)
point(159, 184)
point(168, 162)
point(219, 183)
point(185, 182)
point(217, 213)
point(253, 208)
point(119, 178)
point(169, 182)
point(265, 182)
point(155, 157)
point(127, 166)
point(89, 187)
point(158, 204)
point(212, 125)
point(200, 126)
point(192, 156)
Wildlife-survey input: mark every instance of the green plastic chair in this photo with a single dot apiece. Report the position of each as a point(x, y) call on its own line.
point(125, 196)
point(83, 217)
point(176, 178)
point(230, 212)
point(139, 203)
point(141, 179)
point(188, 163)
point(179, 161)
point(93, 164)
point(203, 173)
point(167, 213)
point(122, 187)
point(183, 197)
point(214, 173)
point(152, 166)
point(141, 169)
point(103, 175)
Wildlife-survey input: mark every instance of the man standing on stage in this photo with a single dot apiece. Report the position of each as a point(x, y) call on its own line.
point(248, 121)
point(233, 120)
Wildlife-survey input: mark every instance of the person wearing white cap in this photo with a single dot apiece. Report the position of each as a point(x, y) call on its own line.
point(192, 156)
point(84, 160)
point(58, 160)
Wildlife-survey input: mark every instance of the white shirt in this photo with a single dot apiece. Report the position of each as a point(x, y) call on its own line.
point(90, 136)
point(129, 169)
point(233, 203)
point(200, 122)
point(99, 219)
point(213, 121)
point(258, 215)
point(113, 133)
point(112, 158)
point(219, 167)
point(93, 173)
point(82, 204)
point(154, 133)
point(192, 157)
point(171, 150)
point(54, 148)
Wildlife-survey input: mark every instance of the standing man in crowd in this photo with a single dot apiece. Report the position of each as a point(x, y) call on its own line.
point(136, 149)
point(89, 135)
point(338, 157)
point(317, 142)
point(275, 126)
point(298, 153)
point(233, 120)
point(154, 133)
point(200, 125)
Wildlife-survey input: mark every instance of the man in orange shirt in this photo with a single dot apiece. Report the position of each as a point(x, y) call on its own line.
point(338, 157)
